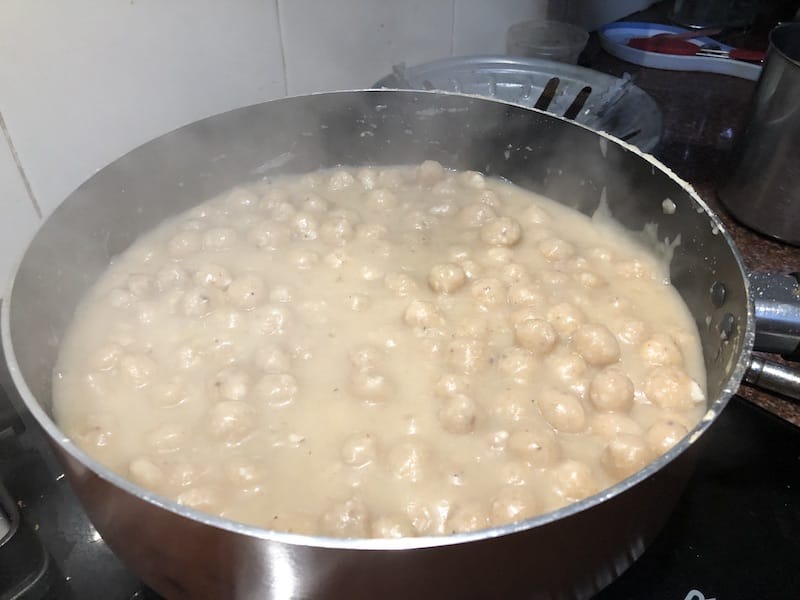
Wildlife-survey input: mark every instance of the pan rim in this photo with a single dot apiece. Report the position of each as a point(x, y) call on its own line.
point(715, 407)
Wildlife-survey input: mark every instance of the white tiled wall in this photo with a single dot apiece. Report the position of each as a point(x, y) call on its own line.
point(84, 81)
point(480, 26)
point(17, 213)
point(352, 43)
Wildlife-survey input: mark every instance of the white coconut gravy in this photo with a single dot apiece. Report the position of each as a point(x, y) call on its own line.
point(380, 353)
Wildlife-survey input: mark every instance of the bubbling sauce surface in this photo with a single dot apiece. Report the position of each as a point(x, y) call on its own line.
point(380, 352)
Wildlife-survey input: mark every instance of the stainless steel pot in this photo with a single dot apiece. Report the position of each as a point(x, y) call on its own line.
point(181, 553)
point(764, 189)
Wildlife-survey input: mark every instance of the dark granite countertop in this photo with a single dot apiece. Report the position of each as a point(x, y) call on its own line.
point(703, 113)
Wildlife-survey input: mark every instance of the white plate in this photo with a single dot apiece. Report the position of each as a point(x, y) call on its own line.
point(614, 39)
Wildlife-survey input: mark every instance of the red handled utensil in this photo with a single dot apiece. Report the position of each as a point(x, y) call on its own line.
point(679, 46)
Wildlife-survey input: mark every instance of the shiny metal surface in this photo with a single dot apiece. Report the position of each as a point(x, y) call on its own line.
point(773, 377)
point(776, 299)
point(764, 192)
point(569, 553)
point(22, 557)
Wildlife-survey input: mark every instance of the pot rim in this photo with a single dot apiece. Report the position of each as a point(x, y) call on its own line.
point(408, 543)
point(777, 41)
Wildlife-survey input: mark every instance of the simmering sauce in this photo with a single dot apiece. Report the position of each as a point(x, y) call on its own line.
point(380, 352)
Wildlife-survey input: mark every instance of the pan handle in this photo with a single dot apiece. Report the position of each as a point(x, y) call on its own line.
point(773, 377)
point(776, 297)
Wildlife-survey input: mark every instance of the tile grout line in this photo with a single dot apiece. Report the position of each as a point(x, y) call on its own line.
point(283, 48)
point(20, 169)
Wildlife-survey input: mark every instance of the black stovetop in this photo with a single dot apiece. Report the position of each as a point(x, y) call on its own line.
point(734, 535)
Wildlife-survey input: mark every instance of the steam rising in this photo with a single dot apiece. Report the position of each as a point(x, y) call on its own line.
point(548, 155)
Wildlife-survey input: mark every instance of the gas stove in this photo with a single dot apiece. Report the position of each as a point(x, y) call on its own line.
point(734, 534)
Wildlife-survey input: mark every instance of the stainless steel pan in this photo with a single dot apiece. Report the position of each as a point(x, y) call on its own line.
point(570, 553)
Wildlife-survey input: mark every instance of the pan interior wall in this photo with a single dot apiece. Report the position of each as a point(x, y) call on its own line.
point(545, 154)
